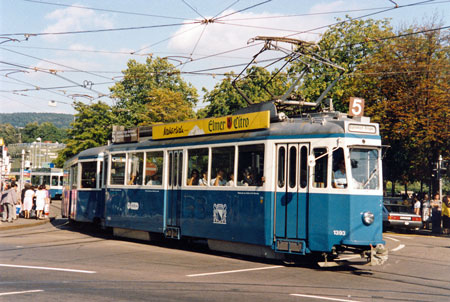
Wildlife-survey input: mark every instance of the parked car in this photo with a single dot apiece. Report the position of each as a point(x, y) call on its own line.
point(400, 216)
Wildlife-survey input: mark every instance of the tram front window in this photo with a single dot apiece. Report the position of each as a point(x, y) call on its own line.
point(365, 168)
point(54, 182)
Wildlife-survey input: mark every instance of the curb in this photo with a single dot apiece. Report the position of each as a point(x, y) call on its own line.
point(21, 226)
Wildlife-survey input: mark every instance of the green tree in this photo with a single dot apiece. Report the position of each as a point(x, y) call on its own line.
point(136, 90)
point(30, 132)
point(405, 85)
point(346, 44)
point(92, 128)
point(224, 99)
point(46, 131)
point(9, 134)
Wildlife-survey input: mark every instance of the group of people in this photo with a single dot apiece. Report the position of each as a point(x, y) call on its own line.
point(427, 208)
point(12, 203)
point(201, 179)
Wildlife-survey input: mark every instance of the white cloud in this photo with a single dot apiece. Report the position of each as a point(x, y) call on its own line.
point(75, 19)
point(240, 27)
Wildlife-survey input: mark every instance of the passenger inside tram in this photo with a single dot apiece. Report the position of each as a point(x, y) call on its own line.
point(194, 179)
point(219, 180)
point(339, 175)
point(204, 178)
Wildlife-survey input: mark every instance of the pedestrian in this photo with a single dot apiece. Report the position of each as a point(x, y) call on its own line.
point(426, 211)
point(446, 215)
point(436, 219)
point(416, 202)
point(9, 199)
point(17, 204)
point(28, 196)
point(41, 198)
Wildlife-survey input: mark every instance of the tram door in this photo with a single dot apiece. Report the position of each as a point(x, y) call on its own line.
point(174, 188)
point(291, 191)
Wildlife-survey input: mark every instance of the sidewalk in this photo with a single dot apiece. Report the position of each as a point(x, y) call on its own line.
point(55, 211)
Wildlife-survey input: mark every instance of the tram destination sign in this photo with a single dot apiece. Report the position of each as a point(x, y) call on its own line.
point(219, 125)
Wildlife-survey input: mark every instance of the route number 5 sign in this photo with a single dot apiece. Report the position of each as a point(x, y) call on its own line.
point(356, 107)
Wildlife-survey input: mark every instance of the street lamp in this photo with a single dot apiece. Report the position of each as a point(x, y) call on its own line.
point(21, 169)
point(40, 145)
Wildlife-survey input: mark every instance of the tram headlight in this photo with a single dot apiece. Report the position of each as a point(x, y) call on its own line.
point(368, 218)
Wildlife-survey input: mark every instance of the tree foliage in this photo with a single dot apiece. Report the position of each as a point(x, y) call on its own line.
point(92, 128)
point(46, 131)
point(135, 94)
point(20, 119)
point(9, 134)
point(224, 99)
point(405, 85)
point(346, 44)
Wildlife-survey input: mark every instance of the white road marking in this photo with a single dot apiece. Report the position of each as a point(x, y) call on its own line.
point(49, 268)
point(398, 248)
point(23, 292)
point(235, 271)
point(323, 298)
point(393, 239)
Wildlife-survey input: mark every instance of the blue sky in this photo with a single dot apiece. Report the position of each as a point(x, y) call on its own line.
point(45, 73)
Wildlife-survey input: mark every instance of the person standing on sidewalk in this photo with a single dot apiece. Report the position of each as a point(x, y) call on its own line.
point(426, 211)
point(41, 196)
point(436, 205)
point(27, 201)
point(446, 215)
point(9, 199)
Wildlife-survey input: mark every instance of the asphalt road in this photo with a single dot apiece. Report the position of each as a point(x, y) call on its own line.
point(56, 262)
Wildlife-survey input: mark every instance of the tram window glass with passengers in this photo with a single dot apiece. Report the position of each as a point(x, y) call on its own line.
point(117, 176)
point(339, 173)
point(135, 168)
point(365, 169)
point(54, 181)
point(197, 167)
point(222, 167)
point(154, 168)
point(251, 165)
point(89, 174)
point(321, 168)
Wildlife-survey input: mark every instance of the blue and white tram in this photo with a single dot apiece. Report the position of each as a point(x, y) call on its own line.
point(309, 185)
point(52, 177)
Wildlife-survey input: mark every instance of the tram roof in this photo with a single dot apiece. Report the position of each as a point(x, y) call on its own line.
point(311, 126)
point(325, 124)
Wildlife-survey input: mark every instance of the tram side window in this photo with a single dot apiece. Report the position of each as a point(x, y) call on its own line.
point(74, 176)
point(281, 166)
point(61, 180)
point(251, 165)
point(135, 168)
point(154, 168)
point(222, 168)
point(321, 168)
point(339, 174)
point(54, 180)
point(197, 167)
point(303, 167)
point(100, 175)
point(118, 169)
point(88, 174)
point(46, 180)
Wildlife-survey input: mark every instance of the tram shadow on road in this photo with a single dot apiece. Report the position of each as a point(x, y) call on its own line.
point(185, 244)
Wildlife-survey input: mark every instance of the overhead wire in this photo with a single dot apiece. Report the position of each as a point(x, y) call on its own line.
point(191, 7)
point(105, 10)
point(29, 34)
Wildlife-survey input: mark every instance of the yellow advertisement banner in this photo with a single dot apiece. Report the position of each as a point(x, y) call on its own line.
point(217, 125)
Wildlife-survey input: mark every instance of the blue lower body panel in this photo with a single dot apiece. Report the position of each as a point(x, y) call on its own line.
point(89, 205)
point(135, 209)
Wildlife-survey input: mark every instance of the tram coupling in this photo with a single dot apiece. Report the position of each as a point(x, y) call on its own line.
point(378, 254)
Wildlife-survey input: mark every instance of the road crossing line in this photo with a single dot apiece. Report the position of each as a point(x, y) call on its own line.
point(235, 271)
point(323, 298)
point(22, 292)
point(49, 268)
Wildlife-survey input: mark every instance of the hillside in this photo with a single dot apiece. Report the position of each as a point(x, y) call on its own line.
point(20, 119)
